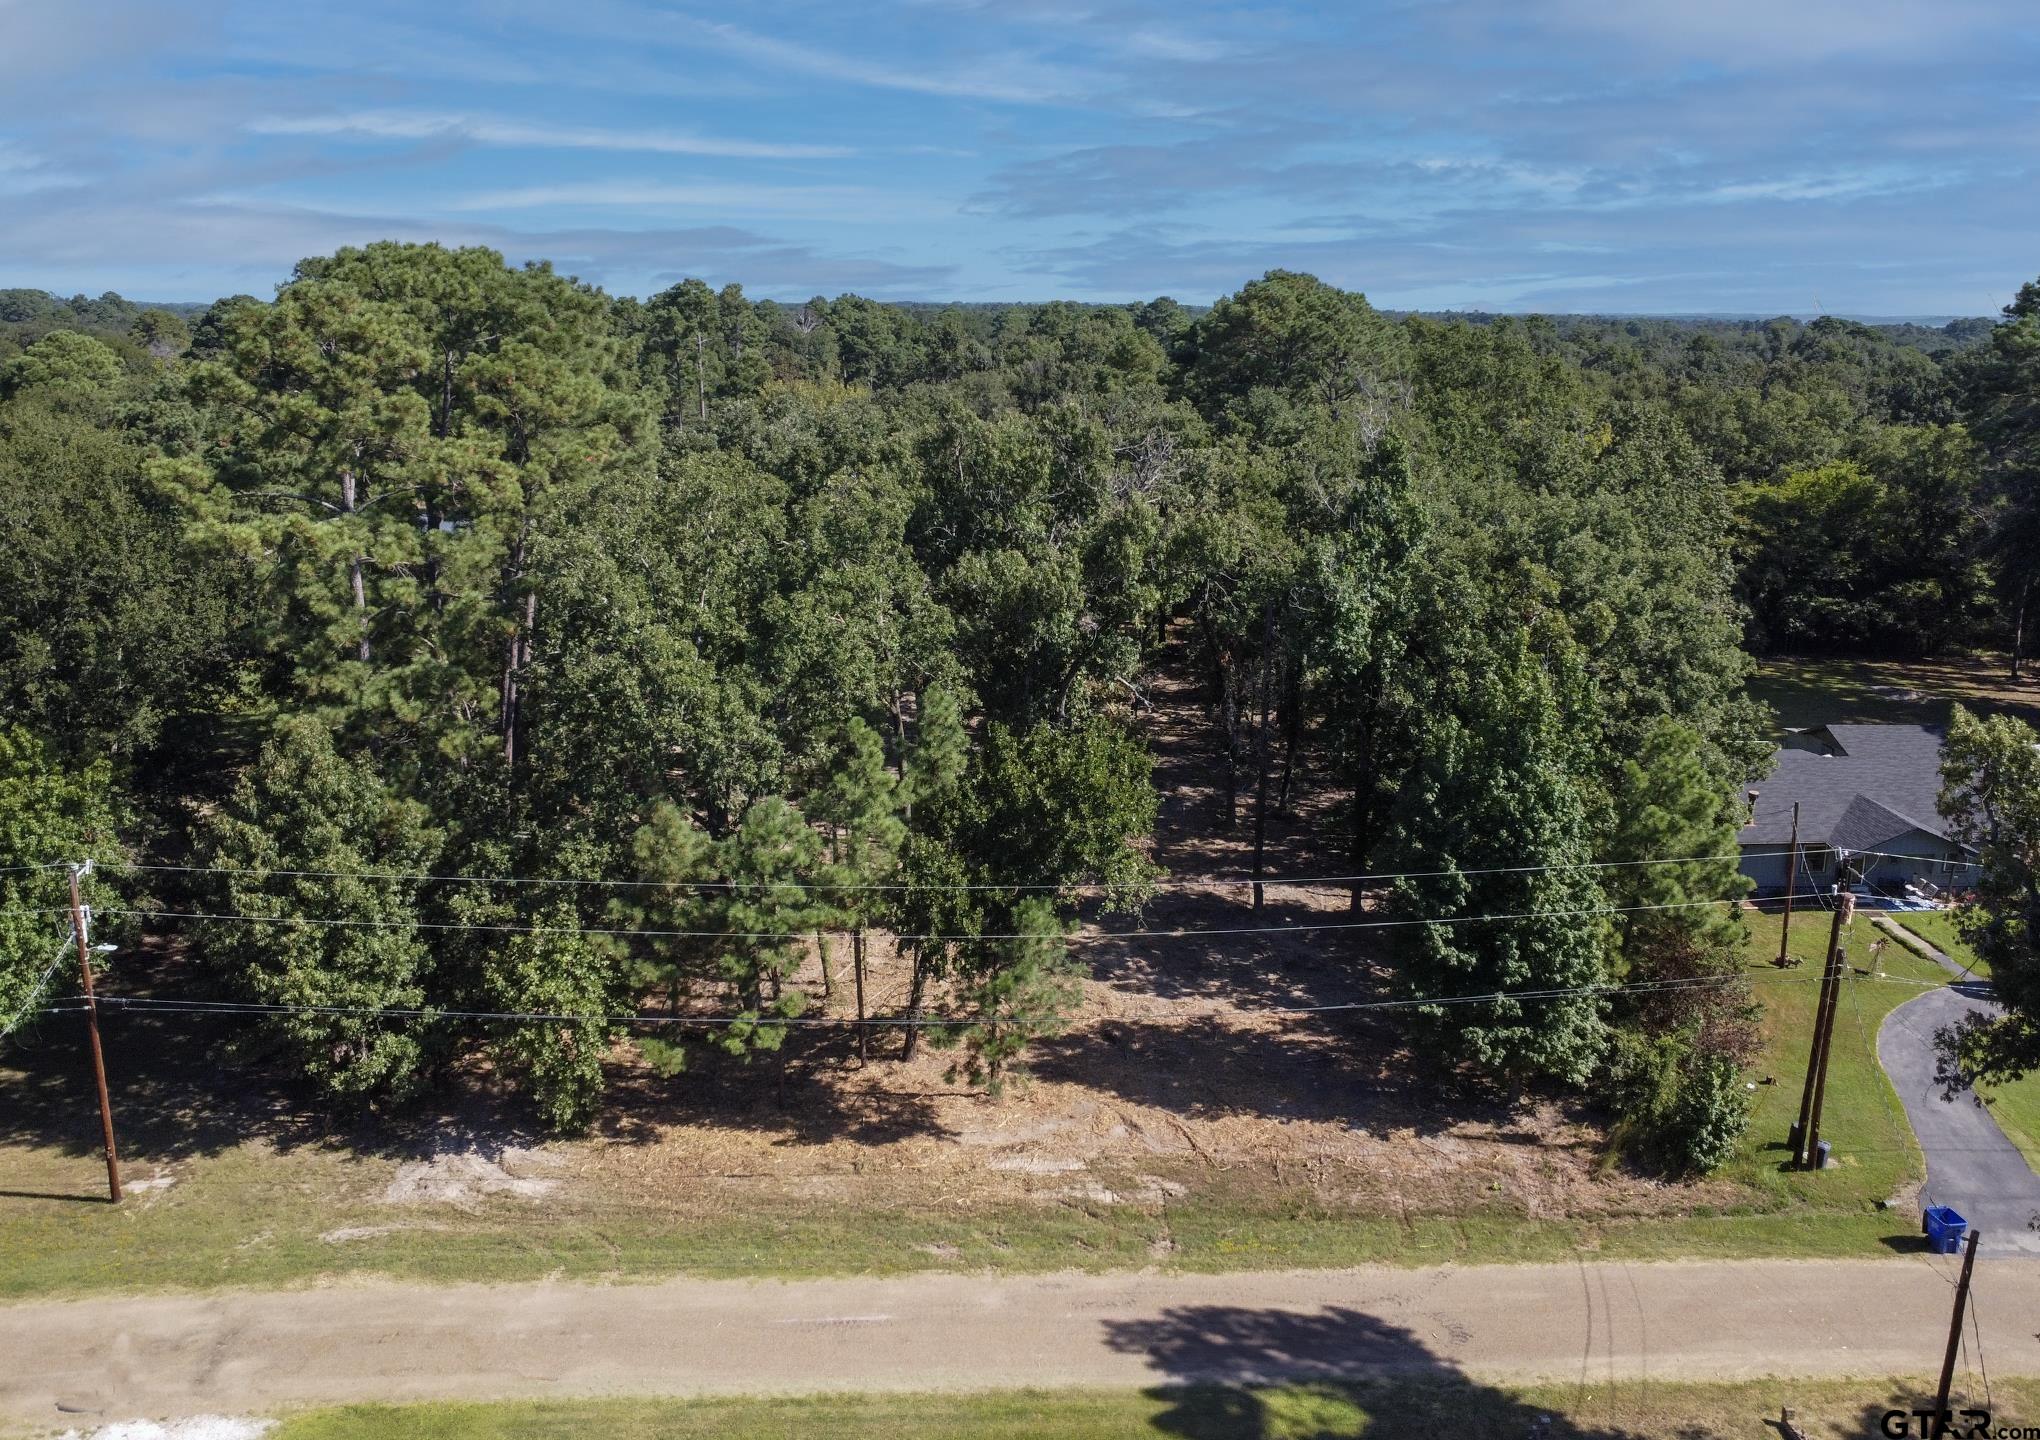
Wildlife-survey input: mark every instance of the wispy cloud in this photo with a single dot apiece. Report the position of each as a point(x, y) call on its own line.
point(1834, 185)
point(23, 170)
point(1762, 33)
point(1158, 44)
point(1655, 154)
point(14, 157)
point(72, 240)
point(1008, 78)
point(487, 130)
point(835, 201)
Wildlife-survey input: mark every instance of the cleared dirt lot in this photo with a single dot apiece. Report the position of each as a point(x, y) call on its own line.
point(1177, 1122)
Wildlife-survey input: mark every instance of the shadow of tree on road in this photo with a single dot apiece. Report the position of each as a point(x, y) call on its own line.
point(1258, 1374)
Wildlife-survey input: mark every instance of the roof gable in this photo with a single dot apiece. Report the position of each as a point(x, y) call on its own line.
point(1871, 784)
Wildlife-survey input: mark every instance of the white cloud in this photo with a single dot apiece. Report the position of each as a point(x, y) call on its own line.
point(484, 130)
point(1158, 44)
point(15, 157)
point(1739, 33)
point(1010, 79)
point(755, 199)
point(84, 241)
point(23, 170)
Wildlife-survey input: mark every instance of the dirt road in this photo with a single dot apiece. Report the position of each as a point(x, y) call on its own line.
point(1596, 1324)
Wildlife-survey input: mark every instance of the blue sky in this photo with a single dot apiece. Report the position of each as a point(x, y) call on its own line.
point(1856, 156)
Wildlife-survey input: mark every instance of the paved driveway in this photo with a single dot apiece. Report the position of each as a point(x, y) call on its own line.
point(1970, 1163)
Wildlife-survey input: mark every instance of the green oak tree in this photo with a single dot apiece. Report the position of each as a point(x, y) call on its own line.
point(318, 847)
point(1513, 908)
point(1990, 772)
point(50, 816)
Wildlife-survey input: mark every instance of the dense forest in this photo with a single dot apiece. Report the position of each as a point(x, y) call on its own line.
point(798, 624)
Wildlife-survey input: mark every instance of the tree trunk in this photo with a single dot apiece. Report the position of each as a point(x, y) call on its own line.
point(822, 947)
point(518, 653)
point(357, 581)
point(2019, 626)
point(914, 1002)
point(1261, 750)
point(360, 586)
point(1292, 723)
point(701, 374)
point(857, 969)
point(1230, 704)
point(899, 713)
point(1361, 820)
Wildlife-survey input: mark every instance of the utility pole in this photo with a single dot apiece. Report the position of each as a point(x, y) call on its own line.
point(81, 918)
point(1955, 1330)
point(1791, 880)
point(1806, 1141)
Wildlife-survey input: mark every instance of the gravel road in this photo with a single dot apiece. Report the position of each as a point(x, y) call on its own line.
point(93, 1360)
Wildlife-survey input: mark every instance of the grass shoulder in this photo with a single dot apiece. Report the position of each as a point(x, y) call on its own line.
point(1429, 1404)
point(1942, 929)
point(1876, 1156)
point(245, 1204)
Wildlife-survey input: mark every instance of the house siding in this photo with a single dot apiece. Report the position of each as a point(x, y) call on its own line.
point(1764, 865)
point(1918, 857)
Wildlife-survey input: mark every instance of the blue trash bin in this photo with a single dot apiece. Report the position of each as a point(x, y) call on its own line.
point(1945, 1229)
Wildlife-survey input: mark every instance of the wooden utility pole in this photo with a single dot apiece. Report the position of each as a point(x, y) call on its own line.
point(1261, 750)
point(1823, 1024)
point(1816, 1059)
point(1839, 965)
point(1791, 880)
point(1955, 1328)
point(857, 971)
point(79, 922)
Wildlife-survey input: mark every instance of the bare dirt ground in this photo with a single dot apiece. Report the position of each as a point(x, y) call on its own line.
point(1171, 1075)
point(1174, 1084)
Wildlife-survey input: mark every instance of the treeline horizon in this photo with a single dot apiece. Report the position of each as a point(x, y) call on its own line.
point(833, 618)
point(27, 302)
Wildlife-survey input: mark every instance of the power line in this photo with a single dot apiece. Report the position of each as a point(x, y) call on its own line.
point(1177, 882)
point(1076, 936)
point(147, 1005)
point(35, 992)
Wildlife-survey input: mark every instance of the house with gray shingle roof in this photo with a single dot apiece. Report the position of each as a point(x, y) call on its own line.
point(1872, 790)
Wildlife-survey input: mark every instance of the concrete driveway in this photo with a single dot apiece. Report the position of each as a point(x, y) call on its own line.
point(1970, 1164)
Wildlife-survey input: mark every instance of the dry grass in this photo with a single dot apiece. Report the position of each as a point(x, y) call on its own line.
point(1178, 1122)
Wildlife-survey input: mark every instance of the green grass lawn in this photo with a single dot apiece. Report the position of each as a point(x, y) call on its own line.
point(1816, 691)
point(256, 1220)
point(2016, 1108)
point(1433, 1403)
point(1874, 1149)
point(1939, 928)
point(249, 1210)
